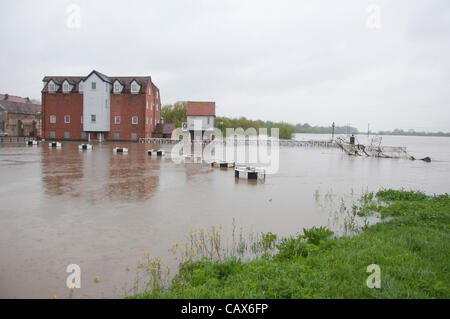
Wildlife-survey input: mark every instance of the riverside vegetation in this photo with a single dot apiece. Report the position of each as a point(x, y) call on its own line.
point(410, 244)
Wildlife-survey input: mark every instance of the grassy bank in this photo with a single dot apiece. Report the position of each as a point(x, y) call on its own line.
point(412, 248)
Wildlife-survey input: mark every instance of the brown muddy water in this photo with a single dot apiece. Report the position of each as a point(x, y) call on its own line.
point(104, 211)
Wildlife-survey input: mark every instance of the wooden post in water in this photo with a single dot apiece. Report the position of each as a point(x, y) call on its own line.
point(332, 132)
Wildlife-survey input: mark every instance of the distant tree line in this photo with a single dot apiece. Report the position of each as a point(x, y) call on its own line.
point(412, 133)
point(306, 128)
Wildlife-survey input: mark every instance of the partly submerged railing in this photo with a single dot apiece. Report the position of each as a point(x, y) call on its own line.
point(282, 142)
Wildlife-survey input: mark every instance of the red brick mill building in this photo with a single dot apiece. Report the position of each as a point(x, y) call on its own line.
point(99, 107)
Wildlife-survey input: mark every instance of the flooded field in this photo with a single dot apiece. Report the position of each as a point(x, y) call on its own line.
point(104, 211)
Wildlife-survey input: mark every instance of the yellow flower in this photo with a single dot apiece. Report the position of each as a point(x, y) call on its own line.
point(54, 297)
point(96, 279)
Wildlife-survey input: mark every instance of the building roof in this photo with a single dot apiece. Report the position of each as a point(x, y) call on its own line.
point(165, 128)
point(201, 108)
point(14, 98)
point(124, 80)
point(18, 105)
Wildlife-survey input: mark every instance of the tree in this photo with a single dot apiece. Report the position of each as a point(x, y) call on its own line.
point(175, 113)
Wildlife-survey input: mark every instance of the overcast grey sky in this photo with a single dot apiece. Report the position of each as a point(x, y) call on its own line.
point(297, 61)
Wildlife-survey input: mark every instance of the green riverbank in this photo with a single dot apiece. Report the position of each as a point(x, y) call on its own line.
point(411, 247)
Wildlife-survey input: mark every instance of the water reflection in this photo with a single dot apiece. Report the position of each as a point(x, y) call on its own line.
point(61, 171)
point(133, 177)
point(99, 175)
point(195, 169)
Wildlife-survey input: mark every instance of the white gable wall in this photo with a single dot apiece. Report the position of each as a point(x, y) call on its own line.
point(96, 102)
point(204, 120)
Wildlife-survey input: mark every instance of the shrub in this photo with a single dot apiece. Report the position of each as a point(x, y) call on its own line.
point(315, 234)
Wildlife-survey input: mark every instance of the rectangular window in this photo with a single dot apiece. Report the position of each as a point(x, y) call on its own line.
point(117, 101)
point(208, 120)
point(53, 119)
point(134, 102)
point(116, 135)
point(67, 119)
point(93, 118)
point(66, 87)
point(52, 134)
point(134, 120)
point(116, 119)
point(83, 135)
point(66, 134)
point(133, 136)
point(149, 91)
point(94, 85)
point(116, 88)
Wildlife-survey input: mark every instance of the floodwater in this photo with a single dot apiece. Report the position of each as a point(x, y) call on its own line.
point(104, 211)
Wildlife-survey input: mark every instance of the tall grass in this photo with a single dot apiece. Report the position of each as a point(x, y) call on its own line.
point(410, 246)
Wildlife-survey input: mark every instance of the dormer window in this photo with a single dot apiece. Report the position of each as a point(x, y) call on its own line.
point(94, 85)
point(52, 87)
point(134, 87)
point(117, 87)
point(66, 87)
